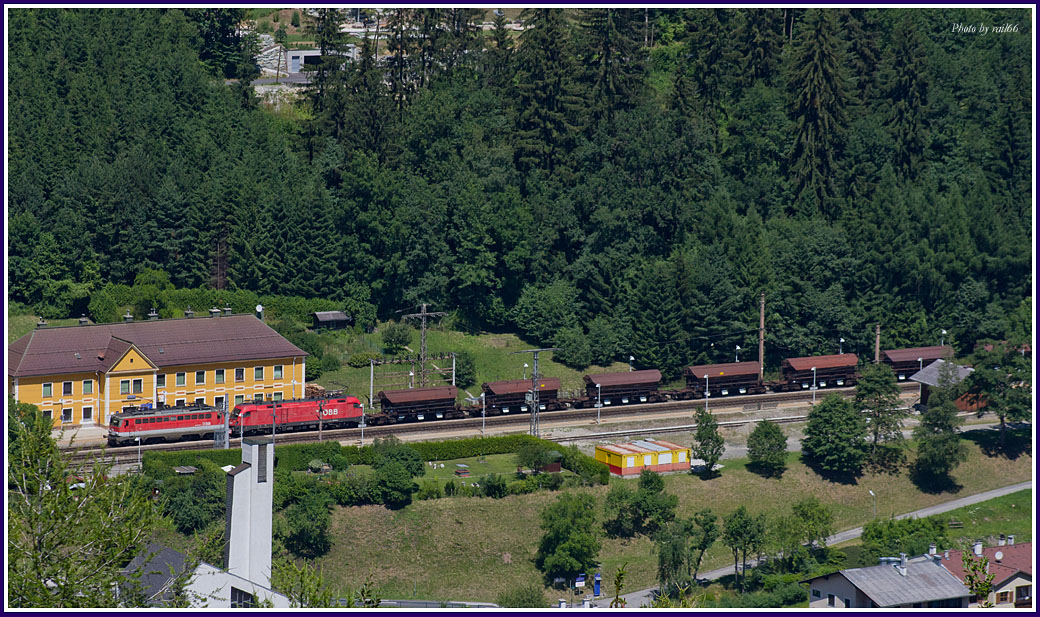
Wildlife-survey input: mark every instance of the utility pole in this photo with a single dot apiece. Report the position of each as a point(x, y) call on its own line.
point(761, 337)
point(421, 316)
point(532, 395)
point(877, 344)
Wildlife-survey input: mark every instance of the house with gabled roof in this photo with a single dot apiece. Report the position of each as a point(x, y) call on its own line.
point(83, 374)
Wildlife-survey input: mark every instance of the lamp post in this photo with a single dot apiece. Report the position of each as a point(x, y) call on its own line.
point(814, 385)
point(599, 403)
point(874, 496)
point(840, 342)
point(483, 411)
point(411, 375)
point(138, 440)
point(736, 354)
point(631, 365)
point(525, 370)
point(920, 385)
point(362, 425)
point(942, 340)
point(707, 393)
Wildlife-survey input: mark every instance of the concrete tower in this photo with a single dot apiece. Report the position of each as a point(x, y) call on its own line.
point(249, 510)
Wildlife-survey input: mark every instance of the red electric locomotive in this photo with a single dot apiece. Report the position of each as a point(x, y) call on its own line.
point(164, 424)
point(295, 415)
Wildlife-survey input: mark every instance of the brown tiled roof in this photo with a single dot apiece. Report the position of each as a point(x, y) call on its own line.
point(718, 370)
point(168, 342)
point(911, 354)
point(516, 386)
point(1015, 558)
point(414, 395)
point(625, 379)
point(822, 362)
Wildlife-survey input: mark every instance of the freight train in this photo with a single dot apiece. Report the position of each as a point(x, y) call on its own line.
point(505, 397)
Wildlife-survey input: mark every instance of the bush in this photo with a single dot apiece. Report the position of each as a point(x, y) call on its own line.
point(767, 448)
point(522, 487)
point(430, 490)
point(315, 466)
point(395, 485)
point(587, 468)
point(530, 596)
point(396, 336)
point(494, 486)
point(308, 528)
point(295, 21)
point(465, 369)
point(362, 359)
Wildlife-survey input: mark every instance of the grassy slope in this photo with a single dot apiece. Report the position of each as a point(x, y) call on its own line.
point(492, 354)
point(20, 324)
point(474, 549)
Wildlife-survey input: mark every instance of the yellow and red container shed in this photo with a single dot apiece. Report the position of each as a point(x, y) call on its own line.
point(629, 459)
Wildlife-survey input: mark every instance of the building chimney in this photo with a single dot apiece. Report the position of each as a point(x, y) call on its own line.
point(214, 312)
point(1000, 540)
point(931, 549)
point(128, 317)
point(227, 310)
point(977, 548)
point(152, 315)
point(249, 512)
point(901, 564)
point(260, 312)
point(188, 312)
point(902, 559)
point(1010, 540)
point(946, 555)
point(40, 325)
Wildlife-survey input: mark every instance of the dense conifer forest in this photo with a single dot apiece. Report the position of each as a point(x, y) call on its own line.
point(610, 181)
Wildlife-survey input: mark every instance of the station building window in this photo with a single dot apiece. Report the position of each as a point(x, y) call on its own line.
point(200, 378)
point(277, 371)
point(182, 379)
point(218, 376)
point(66, 388)
point(88, 386)
point(258, 373)
point(47, 389)
point(240, 375)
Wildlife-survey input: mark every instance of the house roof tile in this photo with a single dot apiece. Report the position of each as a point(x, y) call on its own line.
point(169, 342)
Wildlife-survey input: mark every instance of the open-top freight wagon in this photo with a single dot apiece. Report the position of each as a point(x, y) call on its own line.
point(723, 379)
point(906, 362)
point(629, 388)
point(835, 371)
point(502, 397)
point(418, 404)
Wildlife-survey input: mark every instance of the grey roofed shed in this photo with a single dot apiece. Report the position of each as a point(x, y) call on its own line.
point(929, 375)
point(925, 581)
point(332, 319)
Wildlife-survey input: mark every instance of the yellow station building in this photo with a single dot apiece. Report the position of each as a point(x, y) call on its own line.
point(84, 374)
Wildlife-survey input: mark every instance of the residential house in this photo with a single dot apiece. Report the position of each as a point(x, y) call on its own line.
point(896, 583)
point(1011, 566)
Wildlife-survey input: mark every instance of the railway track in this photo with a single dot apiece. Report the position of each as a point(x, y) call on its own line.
point(746, 403)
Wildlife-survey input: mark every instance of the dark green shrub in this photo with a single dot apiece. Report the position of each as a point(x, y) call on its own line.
point(361, 359)
point(430, 490)
point(295, 20)
point(494, 486)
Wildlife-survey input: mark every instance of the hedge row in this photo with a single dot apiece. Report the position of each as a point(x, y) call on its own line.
point(296, 457)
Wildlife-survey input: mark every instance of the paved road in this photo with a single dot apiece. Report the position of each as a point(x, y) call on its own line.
point(645, 596)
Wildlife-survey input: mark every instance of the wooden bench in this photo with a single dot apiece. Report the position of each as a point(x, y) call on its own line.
point(956, 525)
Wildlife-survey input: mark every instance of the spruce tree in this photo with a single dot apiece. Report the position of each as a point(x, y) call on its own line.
point(939, 447)
point(878, 394)
point(834, 436)
point(708, 442)
point(759, 39)
point(613, 62)
point(905, 90)
point(547, 120)
point(819, 90)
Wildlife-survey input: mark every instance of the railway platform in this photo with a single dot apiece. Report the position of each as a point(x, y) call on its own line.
point(83, 435)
